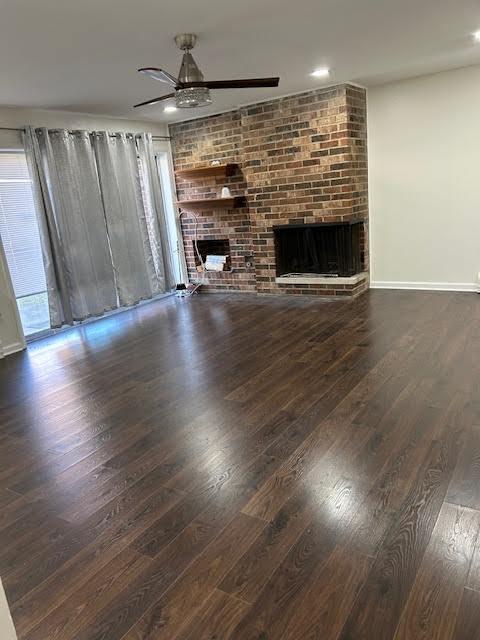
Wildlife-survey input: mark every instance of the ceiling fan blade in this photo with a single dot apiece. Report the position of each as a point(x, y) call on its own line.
point(235, 84)
point(160, 74)
point(154, 100)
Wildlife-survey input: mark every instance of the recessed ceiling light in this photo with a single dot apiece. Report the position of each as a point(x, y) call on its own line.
point(170, 108)
point(320, 73)
point(476, 35)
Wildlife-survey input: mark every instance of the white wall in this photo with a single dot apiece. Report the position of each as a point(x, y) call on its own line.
point(424, 181)
point(7, 631)
point(11, 334)
point(11, 338)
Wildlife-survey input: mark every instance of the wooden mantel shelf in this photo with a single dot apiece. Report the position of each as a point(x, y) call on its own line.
point(223, 170)
point(213, 203)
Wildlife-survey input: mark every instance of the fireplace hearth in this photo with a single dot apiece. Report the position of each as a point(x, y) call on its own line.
point(322, 249)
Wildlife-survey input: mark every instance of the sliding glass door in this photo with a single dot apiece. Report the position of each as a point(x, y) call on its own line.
point(21, 242)
point(165, 172)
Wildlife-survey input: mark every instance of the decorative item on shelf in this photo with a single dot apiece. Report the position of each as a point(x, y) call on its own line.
point(225, 192)
point(217, 263)
point(215, 163)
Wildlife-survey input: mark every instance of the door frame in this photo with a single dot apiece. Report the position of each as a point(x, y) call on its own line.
point(9, 294)
point(163, 151)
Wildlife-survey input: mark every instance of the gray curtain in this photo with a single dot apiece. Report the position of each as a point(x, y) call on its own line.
point(101, 220)
point(119, 175)
point(48, 235)
point(77, 245)
point(156, 223)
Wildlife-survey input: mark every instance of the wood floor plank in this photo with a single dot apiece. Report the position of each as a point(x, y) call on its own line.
point(473, 580)
point(284, 590)
point(39, 586)
point(464, 487)
point(329, 596)
point(217, 500)
point(380, 508)
point(468, 620)
point(217, 619)
point(143, 592)
point(33, 532)
point(380, 603)
point(436, 594)
point(180, 603)
point(66, 619)
point(177, 552)
point(395, 480)
point(247, 468)
point(249, 575)
point(314, 443)
point(278, 487)
point(7, 496)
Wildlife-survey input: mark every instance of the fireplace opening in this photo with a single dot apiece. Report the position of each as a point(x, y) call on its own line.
point(215, 255)
point(323, 249)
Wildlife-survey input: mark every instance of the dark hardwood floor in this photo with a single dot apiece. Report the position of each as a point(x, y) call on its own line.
point(247, 468)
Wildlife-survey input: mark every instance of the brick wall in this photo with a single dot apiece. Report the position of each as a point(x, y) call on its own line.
point(303, 159)
point(195, 144)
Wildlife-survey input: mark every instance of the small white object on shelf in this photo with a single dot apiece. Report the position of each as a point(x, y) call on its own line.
point(225, 192)
point(215, 263)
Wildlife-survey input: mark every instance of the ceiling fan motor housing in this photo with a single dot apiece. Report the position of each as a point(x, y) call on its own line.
point(190, 97)
point(189, 72)
point(186, 41)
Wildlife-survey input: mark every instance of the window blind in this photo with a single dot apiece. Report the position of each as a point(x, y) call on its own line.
point(18, 226)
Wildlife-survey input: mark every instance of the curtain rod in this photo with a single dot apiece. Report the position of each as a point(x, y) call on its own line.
point(111, 134)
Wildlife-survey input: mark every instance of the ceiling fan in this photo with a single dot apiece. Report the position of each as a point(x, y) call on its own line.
point(191, 89)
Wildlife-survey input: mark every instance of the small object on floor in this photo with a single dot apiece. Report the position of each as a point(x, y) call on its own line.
point(183, 290)
point(193, 287)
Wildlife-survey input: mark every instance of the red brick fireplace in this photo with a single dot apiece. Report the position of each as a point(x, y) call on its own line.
point(302, 160)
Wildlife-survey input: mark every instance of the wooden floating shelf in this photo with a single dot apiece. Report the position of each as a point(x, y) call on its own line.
point(213, 203)
point(223, 170)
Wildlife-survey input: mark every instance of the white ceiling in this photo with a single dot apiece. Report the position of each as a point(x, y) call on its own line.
point(82, 55)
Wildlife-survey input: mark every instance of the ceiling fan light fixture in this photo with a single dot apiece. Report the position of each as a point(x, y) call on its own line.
point(192, 97)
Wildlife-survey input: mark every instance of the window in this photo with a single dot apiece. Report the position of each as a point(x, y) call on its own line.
point(21, 242)
point(165, 172)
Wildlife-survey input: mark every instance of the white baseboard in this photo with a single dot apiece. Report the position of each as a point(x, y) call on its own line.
point(426, 286)
point(8, 349)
